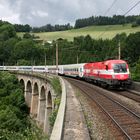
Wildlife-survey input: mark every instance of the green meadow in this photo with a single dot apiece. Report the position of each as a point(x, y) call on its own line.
point(104, 32)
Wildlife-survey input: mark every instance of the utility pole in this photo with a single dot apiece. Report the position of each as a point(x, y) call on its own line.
point(119, 51)
point(77, 59)
point(45, 59)
point(57, 57)
point(3, 65)
point(57, 42)
point(45, 67)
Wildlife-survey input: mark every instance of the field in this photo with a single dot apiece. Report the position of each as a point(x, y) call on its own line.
point(96, 32)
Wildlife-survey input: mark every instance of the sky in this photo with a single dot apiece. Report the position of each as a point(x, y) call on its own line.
point(41, 12)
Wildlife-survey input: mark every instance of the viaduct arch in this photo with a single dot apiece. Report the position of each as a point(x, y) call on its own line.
point(39, 96)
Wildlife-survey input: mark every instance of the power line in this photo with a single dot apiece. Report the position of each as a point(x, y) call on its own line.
point(76, 51)
point(123, 15)
point(110, 7)
point(132, 8)
point(70, 48)
point(107, 12)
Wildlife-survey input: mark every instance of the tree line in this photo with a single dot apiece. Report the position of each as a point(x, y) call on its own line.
point(51, 28)
point(79, 23)
point(46, 28)
point(104, 20)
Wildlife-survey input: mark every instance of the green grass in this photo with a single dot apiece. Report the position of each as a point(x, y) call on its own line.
point(108, 31)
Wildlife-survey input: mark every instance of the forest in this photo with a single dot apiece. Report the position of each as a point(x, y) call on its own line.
point(84, 22)
point(45, 28)
point(15, 123)
point(104, 20)
point(15, 50)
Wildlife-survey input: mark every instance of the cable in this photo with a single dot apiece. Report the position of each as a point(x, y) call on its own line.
point(123, 15)
point(107, 12)
point(70, 48)
point(132, 8)
point(110, 7)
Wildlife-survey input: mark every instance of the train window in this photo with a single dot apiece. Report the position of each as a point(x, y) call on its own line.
point(39, 68)
point(119, 68)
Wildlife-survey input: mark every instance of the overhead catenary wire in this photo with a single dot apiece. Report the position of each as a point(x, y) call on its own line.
point(65, 49)
point(70, 48)
point(106, 13)
point(80, 51)
point(110, 7)
point(130, 9)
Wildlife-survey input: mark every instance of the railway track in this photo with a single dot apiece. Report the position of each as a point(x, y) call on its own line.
point(130, 95)
point(126, 120)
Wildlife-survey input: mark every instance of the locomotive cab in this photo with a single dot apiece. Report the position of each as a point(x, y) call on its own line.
point(121, 75)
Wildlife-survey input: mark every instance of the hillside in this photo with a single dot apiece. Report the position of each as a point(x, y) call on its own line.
point(104, 32)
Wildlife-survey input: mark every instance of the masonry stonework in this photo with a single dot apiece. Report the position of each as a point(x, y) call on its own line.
point(39, 96)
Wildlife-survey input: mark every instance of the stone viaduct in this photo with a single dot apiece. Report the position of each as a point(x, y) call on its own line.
point(39, 96)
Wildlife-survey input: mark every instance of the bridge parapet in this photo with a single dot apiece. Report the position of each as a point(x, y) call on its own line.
point(59, 123)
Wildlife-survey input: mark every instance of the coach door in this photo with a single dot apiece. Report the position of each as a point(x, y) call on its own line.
point(81, 71)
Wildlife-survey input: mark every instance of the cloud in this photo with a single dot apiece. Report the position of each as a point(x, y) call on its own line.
point(42, 12)
point(13, 18)
point(8, 14)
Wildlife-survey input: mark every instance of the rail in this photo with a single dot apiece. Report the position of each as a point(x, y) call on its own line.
point(127, 120)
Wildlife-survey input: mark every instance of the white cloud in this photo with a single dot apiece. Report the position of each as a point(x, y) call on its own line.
point(8, 14)
point(41, 12)
point(12, 19)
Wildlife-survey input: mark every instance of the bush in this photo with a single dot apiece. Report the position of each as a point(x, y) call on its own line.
point(56, 85)
point(52, 117)
point(134, 25)
point(14, 121)
point(136, 72)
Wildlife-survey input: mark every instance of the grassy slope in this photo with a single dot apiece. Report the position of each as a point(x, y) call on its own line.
point(104, 32)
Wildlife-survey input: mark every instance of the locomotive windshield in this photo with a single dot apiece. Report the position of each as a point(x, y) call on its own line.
point(120, 68)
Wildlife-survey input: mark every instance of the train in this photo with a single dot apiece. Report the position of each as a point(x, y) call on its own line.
point(108, 73)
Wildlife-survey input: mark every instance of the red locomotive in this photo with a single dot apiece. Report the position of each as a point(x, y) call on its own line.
point(108, 73)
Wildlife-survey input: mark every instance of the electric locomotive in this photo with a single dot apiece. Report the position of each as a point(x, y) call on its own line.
point(113, 73)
